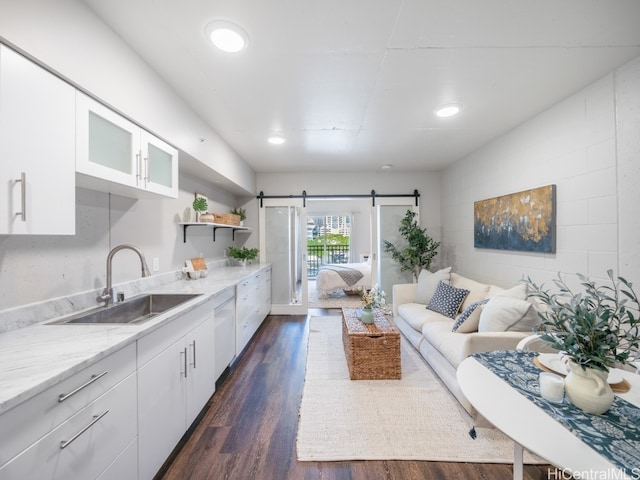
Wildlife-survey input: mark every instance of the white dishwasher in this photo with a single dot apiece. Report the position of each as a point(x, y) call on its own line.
point(224, 315)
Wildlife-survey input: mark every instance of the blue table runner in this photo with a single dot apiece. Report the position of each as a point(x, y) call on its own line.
point(615, 434)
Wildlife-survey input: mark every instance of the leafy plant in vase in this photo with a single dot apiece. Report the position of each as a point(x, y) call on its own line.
point(200, 206)
point(595, 329)
point(373, 298)
point(243, 255)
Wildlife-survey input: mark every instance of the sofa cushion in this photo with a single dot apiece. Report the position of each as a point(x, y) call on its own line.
point(428, 282)
point(507, 314)
point(451, 345)
point(477, 290)
point(468, 320)
point(447, 300)
point(415, 315)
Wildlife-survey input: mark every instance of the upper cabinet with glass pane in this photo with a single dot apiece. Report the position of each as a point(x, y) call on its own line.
point(116, 155)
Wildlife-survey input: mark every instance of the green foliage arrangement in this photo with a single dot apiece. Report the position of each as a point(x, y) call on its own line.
point(241, 212)
point(420, 249)
point(200, 204)
point(243, 253)
point(596, 328)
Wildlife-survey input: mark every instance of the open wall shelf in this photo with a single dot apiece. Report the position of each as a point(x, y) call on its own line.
point(214, 227)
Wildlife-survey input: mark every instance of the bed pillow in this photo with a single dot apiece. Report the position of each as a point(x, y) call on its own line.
point(447, 300)
point(468, 320)
point(428, 282)
point(507, 314)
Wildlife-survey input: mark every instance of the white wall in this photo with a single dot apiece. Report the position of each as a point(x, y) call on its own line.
point(37, 268)
point(588, 145)
point(427, 184)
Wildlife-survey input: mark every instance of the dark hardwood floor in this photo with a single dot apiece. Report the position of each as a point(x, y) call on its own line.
point(248, 428)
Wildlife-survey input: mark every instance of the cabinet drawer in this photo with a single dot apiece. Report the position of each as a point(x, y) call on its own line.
point(31, 420)
point(154, 343)
point(93, 450)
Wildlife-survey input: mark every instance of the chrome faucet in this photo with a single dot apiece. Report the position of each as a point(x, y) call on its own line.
point(107, 293)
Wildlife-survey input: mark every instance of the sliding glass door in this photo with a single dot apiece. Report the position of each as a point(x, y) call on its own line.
point(283, 244)
point(385, 222)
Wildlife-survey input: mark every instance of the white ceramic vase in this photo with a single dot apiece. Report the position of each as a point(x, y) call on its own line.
point(587, 388)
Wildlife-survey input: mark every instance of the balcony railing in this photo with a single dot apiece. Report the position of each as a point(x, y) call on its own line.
point(320, 254)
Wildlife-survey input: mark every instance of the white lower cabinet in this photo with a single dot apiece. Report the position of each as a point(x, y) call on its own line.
point(225, 320)
point(176, 377)
point(253, 304)
point(87, 443)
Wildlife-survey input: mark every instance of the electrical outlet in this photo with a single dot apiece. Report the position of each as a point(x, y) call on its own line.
point(156, 264)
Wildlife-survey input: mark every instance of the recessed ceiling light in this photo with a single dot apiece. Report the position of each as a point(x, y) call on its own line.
point(387, 167)
point(227, 36)
point(448, 110)
point(276, 140)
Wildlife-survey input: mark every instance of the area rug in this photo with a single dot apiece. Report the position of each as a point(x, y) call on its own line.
point(415, 418)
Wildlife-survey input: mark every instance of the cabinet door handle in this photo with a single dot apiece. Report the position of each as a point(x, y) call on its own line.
point(194, 354)
point(63, 396)
point(184, 362)
point(146, 171)
point(138, 169)
point(96, 418)
point(23, 196)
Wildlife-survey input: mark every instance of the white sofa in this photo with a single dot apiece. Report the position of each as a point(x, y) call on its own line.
point(502, 323)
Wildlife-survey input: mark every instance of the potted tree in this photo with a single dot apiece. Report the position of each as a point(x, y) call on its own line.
point(420, 249)
point(243, 255)
point(595, 329)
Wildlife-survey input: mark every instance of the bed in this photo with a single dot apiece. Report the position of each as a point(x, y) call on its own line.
point(343, 276)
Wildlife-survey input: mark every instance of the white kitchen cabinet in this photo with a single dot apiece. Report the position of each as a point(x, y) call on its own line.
point(77, 429)
point(253, 304)
point(116, 155)
point(225, 321)
point(37, 149)
point(176, 377)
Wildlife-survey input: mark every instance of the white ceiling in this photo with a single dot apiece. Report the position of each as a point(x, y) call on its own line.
point(352, 84)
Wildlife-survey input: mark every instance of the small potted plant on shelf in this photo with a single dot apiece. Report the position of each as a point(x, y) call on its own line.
point(595, 330)
point(243, 255)
point(200, 206)
point(241, 212)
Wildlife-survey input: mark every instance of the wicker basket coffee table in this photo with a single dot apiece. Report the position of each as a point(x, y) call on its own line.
point(372, 350)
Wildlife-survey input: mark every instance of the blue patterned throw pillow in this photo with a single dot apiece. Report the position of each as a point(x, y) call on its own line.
point(470, 315)
point(447, 299)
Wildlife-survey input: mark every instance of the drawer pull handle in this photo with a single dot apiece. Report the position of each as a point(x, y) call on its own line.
point(66, 443)
point(63, 396)
point(23, 196)
point(194, 354)
point(184, 363)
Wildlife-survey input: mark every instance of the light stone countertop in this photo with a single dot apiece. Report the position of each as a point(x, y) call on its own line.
point(39, 356)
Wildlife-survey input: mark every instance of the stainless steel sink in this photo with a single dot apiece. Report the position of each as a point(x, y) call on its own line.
point(134, 310)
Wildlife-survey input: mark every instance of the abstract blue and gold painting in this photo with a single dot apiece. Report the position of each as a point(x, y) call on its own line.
point(524, 221)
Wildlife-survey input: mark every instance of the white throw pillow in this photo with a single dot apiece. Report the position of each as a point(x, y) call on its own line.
point(428, 282)
point(519, 291)
point(507, 314)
